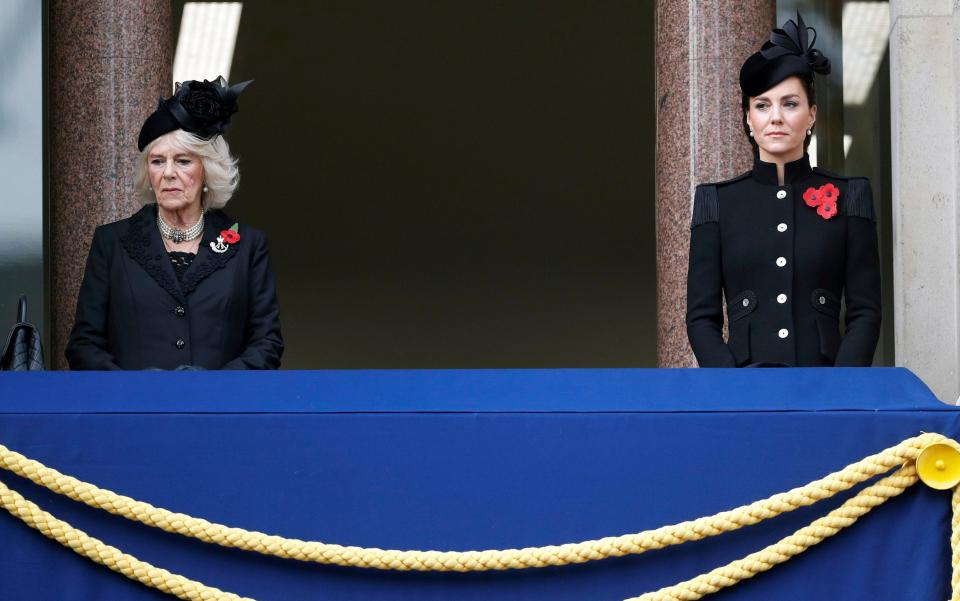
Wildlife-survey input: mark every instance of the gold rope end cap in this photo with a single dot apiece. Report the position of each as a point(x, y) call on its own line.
point(938, 465)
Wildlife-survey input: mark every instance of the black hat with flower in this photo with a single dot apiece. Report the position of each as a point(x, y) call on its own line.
point(202, 108)
point(789, 52)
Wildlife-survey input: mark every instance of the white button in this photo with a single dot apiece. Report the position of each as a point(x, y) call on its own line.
point(781, 194)
point(782, 227)
point(781, 298)
point(822, 300)
point(781, 261)
point(746, 302)
point(783, 333)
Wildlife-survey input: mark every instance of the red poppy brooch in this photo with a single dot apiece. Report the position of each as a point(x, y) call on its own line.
point(824, 199)
point(226, 238)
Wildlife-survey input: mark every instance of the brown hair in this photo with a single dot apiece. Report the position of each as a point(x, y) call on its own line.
point(808, 87)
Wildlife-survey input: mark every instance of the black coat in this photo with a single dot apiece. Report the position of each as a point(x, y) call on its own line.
point(783, 270)
point(133, 313)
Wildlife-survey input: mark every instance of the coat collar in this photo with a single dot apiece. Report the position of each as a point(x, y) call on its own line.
point(143, 244)
point(793, 172)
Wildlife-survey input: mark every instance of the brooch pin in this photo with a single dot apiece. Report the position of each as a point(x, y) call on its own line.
point(226, 238)
point(824, 199)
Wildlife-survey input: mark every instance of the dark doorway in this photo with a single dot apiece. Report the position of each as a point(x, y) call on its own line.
point(452, 184)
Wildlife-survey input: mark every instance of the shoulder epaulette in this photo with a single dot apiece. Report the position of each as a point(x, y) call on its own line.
point(706, 205)
point(859, 202)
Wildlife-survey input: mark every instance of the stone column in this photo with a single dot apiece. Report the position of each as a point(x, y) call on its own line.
point(700, 47)
point(110, 61)
point(925, 135)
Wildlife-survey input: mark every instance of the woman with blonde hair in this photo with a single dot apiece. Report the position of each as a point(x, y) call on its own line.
point(179, 284)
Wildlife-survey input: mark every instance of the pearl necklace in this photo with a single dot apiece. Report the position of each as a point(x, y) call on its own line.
point(177, 236)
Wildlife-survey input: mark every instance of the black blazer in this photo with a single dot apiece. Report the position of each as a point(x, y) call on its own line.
point(133, 313)
point(783, 270)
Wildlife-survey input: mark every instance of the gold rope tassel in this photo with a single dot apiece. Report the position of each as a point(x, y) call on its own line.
point(83, 544)
point(901, 456)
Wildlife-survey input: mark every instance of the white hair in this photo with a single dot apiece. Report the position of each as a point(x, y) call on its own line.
point(220, 172)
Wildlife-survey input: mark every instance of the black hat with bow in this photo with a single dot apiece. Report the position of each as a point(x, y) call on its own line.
point(202, 108)
point(789, 52)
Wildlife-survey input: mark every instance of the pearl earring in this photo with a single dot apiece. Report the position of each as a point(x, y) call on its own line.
point(751, 133)
point(809, 132)
point(206, 189)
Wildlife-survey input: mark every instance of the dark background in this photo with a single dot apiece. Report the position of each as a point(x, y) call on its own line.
point(452, 184)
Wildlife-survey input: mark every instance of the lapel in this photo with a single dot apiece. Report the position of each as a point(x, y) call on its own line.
point(143, 244)
point(208, 261)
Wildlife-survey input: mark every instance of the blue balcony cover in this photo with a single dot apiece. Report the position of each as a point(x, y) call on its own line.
point(475, 459)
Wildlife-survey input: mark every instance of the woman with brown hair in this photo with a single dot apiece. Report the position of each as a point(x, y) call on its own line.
point(784, 242)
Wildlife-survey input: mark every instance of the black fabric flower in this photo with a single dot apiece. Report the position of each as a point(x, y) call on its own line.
point(203, 108)
point(202, 102)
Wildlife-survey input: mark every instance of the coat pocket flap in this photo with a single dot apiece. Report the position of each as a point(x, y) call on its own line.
point(826, 302)
point(741, 305)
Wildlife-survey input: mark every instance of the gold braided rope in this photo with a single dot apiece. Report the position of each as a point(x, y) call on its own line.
point(902, 454)
point(554, 555)
point(83, 544)
point(788, 547)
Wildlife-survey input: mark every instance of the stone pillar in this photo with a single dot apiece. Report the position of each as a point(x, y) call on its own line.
point(700, 47)
point(925, 136)
point(110, 61)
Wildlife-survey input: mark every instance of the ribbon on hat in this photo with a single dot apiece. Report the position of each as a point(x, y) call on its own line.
point(204, 108)
point(793, 39)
